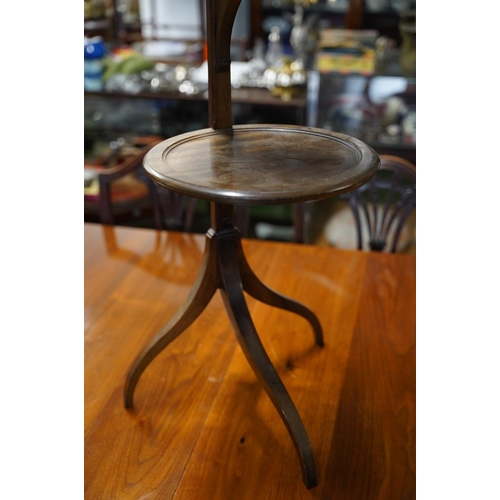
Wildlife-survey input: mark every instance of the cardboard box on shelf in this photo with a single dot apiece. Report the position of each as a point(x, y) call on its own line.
point(346, 51)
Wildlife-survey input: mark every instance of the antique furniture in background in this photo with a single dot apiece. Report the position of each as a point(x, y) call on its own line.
point(113, 186)
point(125, 189)
point(384, 203)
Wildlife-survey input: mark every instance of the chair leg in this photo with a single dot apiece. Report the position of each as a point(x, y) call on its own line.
point(258, 290)
point(239, 315)
point(202, 292)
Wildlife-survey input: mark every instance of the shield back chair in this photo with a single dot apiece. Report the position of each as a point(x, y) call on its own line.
point(382, 205)
point(247, 165)
point(126, 188)
point(112, 190)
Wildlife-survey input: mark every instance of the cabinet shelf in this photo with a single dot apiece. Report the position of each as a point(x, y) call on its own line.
point(253, 96)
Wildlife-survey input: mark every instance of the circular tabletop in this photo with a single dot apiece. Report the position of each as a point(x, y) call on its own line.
point(261, 164)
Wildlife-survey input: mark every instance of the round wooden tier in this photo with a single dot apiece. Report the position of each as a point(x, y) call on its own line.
point(261, 164)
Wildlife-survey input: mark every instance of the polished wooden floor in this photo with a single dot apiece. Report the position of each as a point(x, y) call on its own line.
point(202, 426)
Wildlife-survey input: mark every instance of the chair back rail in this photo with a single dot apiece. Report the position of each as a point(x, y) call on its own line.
point(385, 202)
point(171, 211)
point(106, 178)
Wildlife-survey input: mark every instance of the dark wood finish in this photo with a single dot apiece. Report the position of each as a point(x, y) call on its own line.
point(299, 223)
point(354, 15)
point(244, 165)
point(98, 27)
point(106, 179)
point(220, 19)
point(256, 355)
point(171, 210)
point(224, 266)
point(406, 153)
point(385, 202)
point(255, 21)
point(261, 164)
point(121, 191)
point(203, 426)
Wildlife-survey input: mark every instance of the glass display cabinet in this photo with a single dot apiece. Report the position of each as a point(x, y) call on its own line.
point(379, 108)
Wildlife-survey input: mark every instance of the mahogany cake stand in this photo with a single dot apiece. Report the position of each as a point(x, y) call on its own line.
point(249, 165)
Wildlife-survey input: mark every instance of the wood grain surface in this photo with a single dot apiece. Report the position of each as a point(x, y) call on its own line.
point(202, 426)
point(261, 164)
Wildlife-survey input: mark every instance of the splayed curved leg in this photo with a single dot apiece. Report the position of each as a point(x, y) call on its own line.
point(258, 290)
point(239, 315)
point(199, 297)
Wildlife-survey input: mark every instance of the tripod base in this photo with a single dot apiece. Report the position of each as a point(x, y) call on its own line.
point(225, 267)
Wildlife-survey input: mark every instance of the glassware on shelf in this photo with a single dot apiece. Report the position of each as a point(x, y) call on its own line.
point(274, 47)
point(285, 78)
point(408, 54)
point(304, 35)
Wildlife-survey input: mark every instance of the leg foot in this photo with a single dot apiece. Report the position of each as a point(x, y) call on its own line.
point(199, 297)
point(258, 290)
point(239, 315)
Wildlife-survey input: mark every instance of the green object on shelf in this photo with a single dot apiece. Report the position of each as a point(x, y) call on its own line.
point(135, 64)
point(127, 66)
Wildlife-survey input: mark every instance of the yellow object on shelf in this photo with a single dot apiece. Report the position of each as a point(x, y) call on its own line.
point(345, 64)
point(346, 51)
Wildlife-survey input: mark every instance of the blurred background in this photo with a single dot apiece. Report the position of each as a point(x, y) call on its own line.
point(342, 65)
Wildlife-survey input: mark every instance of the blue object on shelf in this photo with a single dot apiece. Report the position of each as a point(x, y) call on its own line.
point(95, 50)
